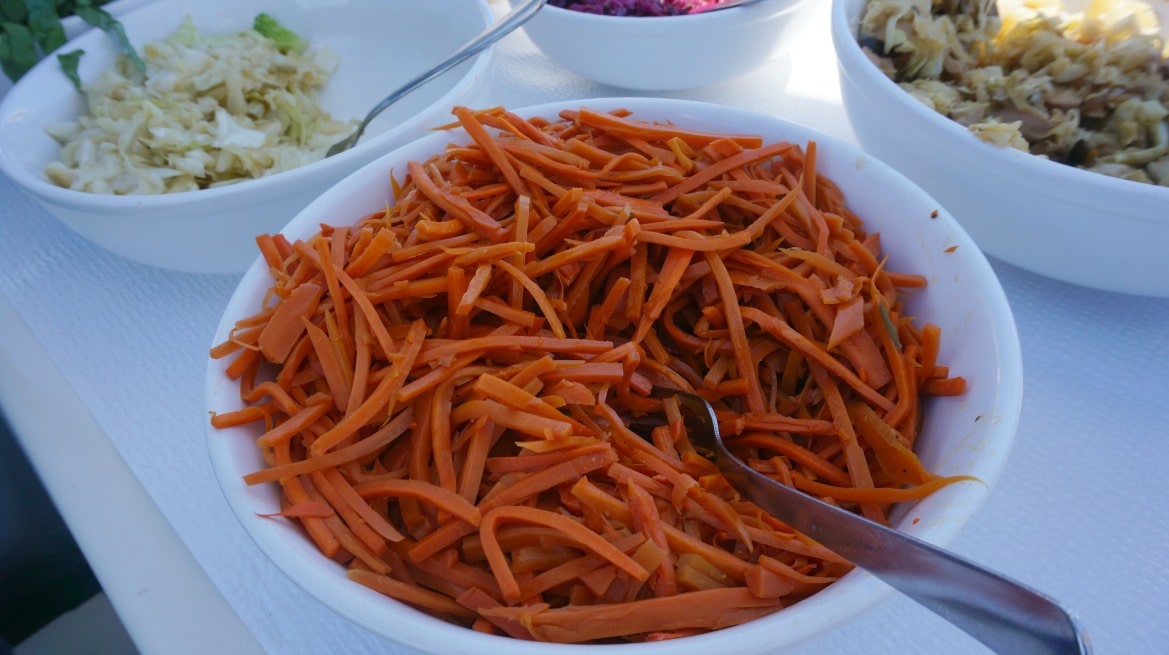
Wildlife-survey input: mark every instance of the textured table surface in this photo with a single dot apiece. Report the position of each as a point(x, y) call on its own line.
point(1080, 511)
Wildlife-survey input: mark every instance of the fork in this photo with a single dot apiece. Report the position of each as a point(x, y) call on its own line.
point(506, 25)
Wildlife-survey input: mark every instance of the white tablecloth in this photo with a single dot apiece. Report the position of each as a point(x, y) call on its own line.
point(1080, 511)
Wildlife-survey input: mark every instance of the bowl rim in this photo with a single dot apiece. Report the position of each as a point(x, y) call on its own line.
point(733, 12)
point(853, 594)
point(267, 185)
point(72, 24)
point(1050, 178)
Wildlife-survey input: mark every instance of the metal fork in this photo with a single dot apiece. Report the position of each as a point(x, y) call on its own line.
point(1005, 615)
point(506, 25)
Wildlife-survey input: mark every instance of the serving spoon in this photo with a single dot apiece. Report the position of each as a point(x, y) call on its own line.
point(506, 25)
point(1004, 615)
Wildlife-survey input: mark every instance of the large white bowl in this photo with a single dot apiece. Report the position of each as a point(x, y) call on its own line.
point(971, 434)
point(381, 44)
point(667, 53)
point(1063, 222)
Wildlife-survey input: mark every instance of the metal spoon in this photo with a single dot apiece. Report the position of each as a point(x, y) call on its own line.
point(506, 25)
point(1004, 615)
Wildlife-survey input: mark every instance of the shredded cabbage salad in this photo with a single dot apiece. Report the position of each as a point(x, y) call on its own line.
point(209, 111)
point(1088, 89)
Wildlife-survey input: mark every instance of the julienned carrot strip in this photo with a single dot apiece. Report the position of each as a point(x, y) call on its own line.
point(944, 386)
point(407, 593)
point(374, 543)
point(579, 568)
point(575, 624)
point(331, 367)
point(797, 454)
point(269, 250)
point(612, 124)
point(480, 601)
point(673, 268)
point(859, 474)
point(716, 169)
point(518, 420)
point(491, 147)
point(294, 493)
point(381, 397)
point(531, 462)
point(506, 392)
point(367, 446)
point(439, 351)
point(366, 307)
point(646, 518)
point(475, 219)
point(576, 531)
point(780, 329)
point(306, 509)
point(539, 298)
point(284, 328)
point(513, 491)
point(378, 246)
point(809, 173)
point(447, 501)
point(744, 361)
point(361, 509)
point(293, 425)
point(249, 414)
point(444, 388)
point(876, 494)
point(860, 350)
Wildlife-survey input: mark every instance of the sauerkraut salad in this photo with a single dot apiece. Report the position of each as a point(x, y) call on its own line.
point(209, 111)
point(1088, 89)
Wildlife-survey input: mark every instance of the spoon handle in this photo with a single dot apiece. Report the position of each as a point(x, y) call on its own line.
point(1003, 614)
point(506, 25)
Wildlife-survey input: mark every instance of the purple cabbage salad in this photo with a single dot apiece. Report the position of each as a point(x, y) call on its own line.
point(637, 7)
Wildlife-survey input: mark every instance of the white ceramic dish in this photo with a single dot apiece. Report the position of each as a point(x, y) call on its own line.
point(666, 53)
point(1056, 220)
point(212, 230)
point(971, 434)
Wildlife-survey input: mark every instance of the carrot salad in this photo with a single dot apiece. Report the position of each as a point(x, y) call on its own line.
point(445, 388)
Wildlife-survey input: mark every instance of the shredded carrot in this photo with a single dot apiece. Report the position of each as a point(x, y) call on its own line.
point(444, 390)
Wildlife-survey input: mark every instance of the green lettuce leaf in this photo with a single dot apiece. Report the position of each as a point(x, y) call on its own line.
point(285, 39)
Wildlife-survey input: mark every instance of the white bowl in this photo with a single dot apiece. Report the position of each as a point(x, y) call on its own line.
point(668, 53)
point(971, 434)
point(1063, 222)
point(212, 230)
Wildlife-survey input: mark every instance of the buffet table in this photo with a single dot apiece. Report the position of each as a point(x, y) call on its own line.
point(102, 366)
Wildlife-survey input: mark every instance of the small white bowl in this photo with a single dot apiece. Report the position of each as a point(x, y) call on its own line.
point(669, 53)
point(1063, 222)
point(213, 230)
point(971, 434)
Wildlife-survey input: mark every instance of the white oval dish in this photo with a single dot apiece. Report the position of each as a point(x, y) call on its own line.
point(971, 434)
